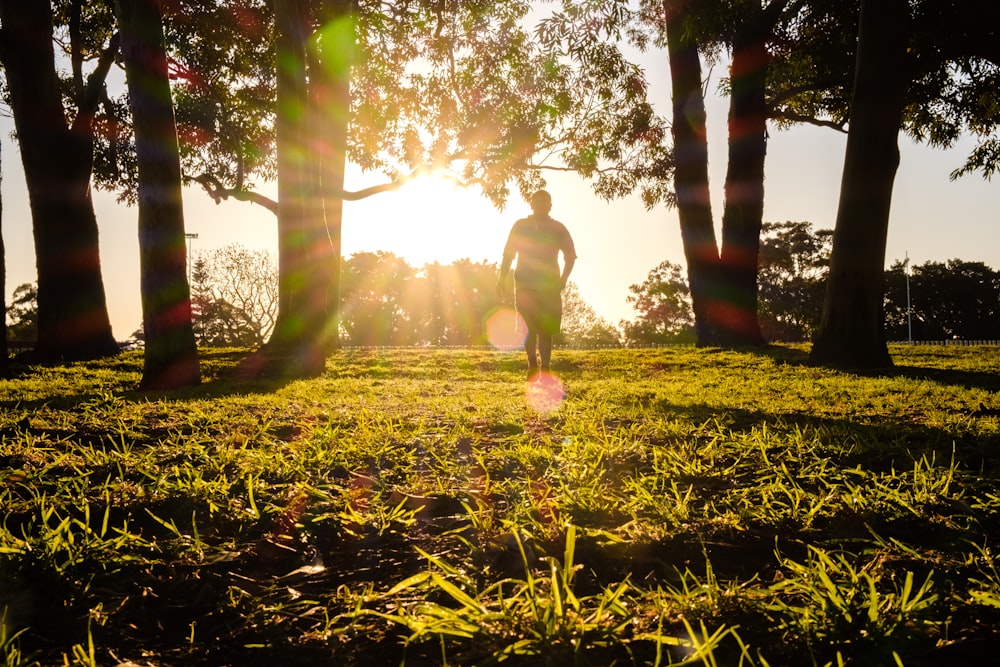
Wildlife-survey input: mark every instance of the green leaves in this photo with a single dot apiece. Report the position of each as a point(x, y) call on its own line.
point(533, 616)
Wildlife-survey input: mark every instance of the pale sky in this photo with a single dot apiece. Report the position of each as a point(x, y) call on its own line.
point(617, 243)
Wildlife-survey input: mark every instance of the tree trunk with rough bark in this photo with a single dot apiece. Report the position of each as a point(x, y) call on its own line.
point(331, 104)
point(313, 89)
point(743, 216)
point(296, 340)
point(171, 355)
point(722, 279)
point(694, 206)
point(851, 333)
point(4, 352)
point(73, 322)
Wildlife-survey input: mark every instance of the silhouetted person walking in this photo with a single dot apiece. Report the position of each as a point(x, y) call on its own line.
point(536, 242)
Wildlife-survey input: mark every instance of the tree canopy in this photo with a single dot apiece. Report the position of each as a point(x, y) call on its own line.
point(794, 262)
point(955, 299)
point(663, 306)
point(463, 88)
point(234, 296)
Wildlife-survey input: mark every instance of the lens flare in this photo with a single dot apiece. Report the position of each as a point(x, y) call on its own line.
point(505, 329)
point(545, 393)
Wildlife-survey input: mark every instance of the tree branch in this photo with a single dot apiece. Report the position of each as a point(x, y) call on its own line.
point(94, 92)
point(771, 13)
point(109, 110)
point(218, 192)
point(76, 54)
point(612, 169)
point(809, 120)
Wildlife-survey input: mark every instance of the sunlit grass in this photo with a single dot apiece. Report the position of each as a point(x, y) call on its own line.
point(681, 506)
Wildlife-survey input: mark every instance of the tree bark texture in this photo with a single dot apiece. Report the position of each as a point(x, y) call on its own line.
point(694, 206)
point(171, 355)
point(298, 332)
point(851, 332)
point(331, 105)
point(722, 279)
point(313, 90)
point(743, 215)
point(4, 352)
point(73, 322)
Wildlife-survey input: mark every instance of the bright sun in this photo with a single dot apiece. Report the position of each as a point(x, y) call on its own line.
point(427, 220)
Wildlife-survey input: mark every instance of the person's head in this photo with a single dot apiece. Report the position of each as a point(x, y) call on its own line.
point(541, 202)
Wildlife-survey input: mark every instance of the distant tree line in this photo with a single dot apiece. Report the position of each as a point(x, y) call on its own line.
point(947, 300)
point(386, 302)
point(389, 302)
point(22, 314)
point(792, 268)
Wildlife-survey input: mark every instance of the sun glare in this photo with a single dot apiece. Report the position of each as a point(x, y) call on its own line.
point(429, 219)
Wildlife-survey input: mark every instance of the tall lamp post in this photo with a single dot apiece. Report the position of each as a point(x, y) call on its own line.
point(909, 311)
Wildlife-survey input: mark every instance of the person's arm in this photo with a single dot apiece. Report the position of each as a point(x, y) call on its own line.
point(568, 262)
point(508, 258)
point(569, 257)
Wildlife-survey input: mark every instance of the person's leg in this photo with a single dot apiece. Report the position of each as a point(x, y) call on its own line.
point(549, 320)
point(529, 347)
point(545, 350)
point(527, 305)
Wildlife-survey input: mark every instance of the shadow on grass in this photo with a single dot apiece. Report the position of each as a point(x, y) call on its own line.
point(954, 378)
point(874, 442)
point(966, 379)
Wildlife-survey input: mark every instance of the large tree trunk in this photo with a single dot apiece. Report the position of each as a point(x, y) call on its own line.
point(171, 356)
point(723, 286)
point(73, 318)
point(331, 103)
point(694, 206)
point(744, 208)
point(851, 333)
point(4, 361)
point(298, 337)
point(291, 91)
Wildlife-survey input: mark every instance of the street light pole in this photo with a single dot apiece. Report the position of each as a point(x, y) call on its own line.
point(909, 310)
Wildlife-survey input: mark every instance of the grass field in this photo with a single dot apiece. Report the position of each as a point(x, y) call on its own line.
point(420, 507)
